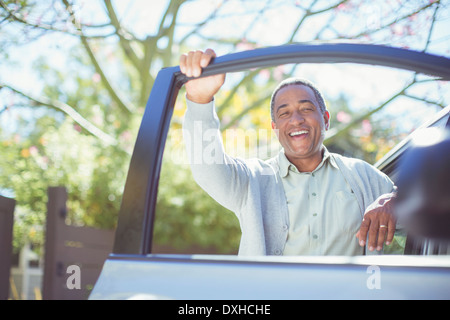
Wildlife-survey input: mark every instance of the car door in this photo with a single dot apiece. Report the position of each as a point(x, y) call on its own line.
point(134, 269)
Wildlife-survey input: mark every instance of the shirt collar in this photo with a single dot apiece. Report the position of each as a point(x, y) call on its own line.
point(285, 164)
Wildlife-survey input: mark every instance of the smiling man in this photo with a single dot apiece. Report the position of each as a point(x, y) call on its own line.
point(300, 121)
point(306, 200)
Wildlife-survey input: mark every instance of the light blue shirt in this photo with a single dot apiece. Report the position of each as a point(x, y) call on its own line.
point(323, 210)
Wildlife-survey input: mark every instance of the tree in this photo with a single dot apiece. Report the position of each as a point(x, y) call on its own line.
point(82, 121)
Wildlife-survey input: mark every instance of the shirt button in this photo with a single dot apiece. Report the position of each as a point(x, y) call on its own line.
point(314, 214)
point(314, 194)
point(315, 236)
point(285, 227)
point(277, 252)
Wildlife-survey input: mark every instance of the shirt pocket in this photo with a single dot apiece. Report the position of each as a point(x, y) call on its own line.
point(347, 215)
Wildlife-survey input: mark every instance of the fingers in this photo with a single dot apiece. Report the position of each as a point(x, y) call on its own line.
point(207, 57)
point(391, 232)
point(379, 223)
point(183, 60)
point(373, 233)
point(191, 63)
point(362, 233)
point(382, 231)
point(377, 230)
point(194, 63)
point(385, 235)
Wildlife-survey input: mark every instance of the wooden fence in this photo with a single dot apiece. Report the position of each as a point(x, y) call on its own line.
point(73, 255)
point(6, 231)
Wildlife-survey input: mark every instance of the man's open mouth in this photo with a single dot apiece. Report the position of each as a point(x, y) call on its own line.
point(298, 133)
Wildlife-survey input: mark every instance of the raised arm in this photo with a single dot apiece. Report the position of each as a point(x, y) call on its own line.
point(223, 177)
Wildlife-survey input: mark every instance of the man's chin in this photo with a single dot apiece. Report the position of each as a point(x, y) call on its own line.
point(296, 152)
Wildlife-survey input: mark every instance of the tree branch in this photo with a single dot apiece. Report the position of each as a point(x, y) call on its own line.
point(124, 42)
point(151, 48)
point(334, 134)
point(254, 105)
point(113, 92)
point(170, 32)
point(200, 25)
point(425, 100)
point(368, 32)
point(71, 112)
point(310, 13)
point(433, 20)
point(48, 27)
point(249, 76)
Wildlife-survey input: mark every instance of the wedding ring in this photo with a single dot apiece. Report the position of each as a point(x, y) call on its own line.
point(383, 226)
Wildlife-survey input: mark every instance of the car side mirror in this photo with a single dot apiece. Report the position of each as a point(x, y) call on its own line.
point(423, 199)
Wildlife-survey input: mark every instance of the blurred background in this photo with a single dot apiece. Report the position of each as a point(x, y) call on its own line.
point(75, 77)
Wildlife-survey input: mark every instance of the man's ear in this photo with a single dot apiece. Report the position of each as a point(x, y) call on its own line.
point(327, 117)
point(274, 128)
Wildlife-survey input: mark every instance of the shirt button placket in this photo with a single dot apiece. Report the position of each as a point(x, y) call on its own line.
point(315, 223)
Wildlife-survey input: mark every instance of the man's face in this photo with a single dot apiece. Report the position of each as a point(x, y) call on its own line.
point(299, 123)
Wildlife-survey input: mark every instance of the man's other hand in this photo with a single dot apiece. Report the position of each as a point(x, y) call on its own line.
point(379, 223)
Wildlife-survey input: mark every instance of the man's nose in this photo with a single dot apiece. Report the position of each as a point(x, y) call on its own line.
point(296, 117)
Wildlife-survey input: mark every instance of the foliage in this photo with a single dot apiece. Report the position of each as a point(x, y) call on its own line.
point(57, 156)
point(187, 218)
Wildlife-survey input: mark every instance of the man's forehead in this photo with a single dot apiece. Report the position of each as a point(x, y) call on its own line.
point(297, 89)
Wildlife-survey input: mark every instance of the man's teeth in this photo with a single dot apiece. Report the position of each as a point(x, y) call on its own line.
point(297, 133)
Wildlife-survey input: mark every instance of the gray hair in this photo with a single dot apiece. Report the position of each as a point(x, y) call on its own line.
point(297, 81)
